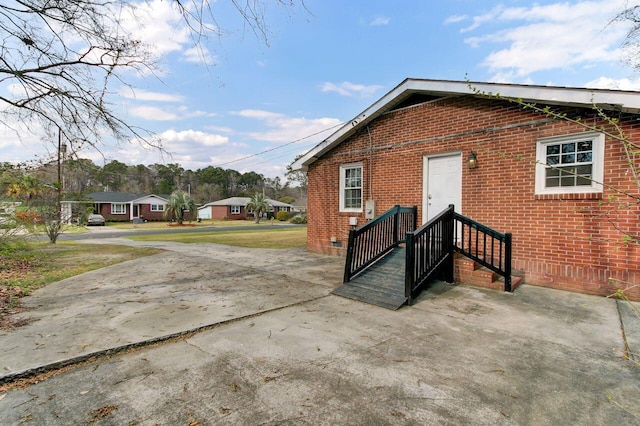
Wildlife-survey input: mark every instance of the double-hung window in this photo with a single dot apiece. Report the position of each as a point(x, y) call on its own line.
point(235, 209)
point(570, 164)
point(351, 187)
point(156, 207)
point(118, 208)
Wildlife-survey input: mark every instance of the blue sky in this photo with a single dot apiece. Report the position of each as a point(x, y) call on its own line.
point(236, 97)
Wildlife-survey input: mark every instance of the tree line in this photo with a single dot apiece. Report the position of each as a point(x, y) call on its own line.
point(82, 176)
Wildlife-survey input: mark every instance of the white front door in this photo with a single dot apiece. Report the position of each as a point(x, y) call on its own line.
point(442, 184)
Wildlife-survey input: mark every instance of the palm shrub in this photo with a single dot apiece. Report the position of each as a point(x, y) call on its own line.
point(178, 203)
point(258, 204)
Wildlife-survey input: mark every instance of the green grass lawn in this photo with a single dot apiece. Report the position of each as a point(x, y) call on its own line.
point(203, 223)
point(277, 238)
point(33, 265)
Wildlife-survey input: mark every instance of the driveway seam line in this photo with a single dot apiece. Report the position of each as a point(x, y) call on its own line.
point(104, 353)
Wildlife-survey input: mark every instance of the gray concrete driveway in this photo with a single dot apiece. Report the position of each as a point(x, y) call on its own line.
point(208, 334)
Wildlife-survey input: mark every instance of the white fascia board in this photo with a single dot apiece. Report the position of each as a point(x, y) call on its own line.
point(350, 127)
point(626, 101)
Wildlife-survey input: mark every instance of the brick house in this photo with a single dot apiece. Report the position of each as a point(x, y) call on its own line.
point(120, 206)
point(430, 143)
point(235, 208)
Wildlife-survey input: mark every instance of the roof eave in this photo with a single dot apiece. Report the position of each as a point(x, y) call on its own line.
point(616, 100)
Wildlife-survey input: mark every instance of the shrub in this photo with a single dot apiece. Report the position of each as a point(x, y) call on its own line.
point(283, 216)
point(28, 218)
point(299, 220)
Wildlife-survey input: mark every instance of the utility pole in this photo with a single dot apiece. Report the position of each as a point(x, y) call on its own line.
point(62, 149)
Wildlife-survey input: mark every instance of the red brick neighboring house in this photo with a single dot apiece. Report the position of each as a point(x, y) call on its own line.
point(234, 208)
point(123, 206)
point(413, 146)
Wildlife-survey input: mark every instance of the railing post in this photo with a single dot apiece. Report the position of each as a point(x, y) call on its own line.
point(415, 218)
point(408, 268)
point(396, 221)
point(449, 238)
point(349, 260)
point(507, 262)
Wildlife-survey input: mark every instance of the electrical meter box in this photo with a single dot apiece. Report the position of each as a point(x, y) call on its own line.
point(370, 209)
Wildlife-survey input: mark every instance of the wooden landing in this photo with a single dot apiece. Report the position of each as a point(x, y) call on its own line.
point(381, 284)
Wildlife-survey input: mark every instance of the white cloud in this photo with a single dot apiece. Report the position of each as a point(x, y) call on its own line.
point(199, 55)
point(454, 19)
point(382, 20)
point(153, 113)
point(143, 95)
point(193, 136)
point(282, 128)
point(610, 83)
point(157, 24)
point(222, 129)
point(484, 18)
point(544, 37)
point(161, 27)
point(288, 129)
point(259, 114)
point(350, 89)
point(192, 149)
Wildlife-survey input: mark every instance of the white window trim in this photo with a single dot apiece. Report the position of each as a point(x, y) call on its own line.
point(156, 207)
point(122, 205)
point(235, 209)
point(343, 168)
point(597, 164)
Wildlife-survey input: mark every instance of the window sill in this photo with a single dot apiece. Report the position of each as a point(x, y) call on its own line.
point(570, 196)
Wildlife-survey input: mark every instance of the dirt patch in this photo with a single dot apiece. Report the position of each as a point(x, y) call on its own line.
point(10, 305)
point(10, 295)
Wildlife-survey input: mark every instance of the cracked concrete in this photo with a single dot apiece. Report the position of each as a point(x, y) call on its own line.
point(272, 346)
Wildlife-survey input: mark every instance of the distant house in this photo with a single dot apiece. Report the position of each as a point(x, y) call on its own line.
point(119, 206)
point(235, 208)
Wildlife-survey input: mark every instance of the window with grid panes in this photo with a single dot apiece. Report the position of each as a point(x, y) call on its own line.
point(118, 208)
point(569, 164)
point(351, 187)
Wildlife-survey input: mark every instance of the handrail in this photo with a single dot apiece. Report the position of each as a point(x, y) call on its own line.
point(429, 252)
point(484, 245)
point(374, 239)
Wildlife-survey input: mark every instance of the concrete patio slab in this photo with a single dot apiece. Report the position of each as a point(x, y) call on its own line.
point(291, 353)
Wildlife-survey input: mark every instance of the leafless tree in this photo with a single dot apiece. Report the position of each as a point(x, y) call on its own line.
point(59, 60)
point(631, 44)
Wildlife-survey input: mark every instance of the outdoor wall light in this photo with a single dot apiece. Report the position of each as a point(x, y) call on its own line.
point(472, 160)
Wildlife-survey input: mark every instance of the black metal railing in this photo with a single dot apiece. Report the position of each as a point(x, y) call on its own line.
point(429, 253)
point(484, 245)
point(374, 239)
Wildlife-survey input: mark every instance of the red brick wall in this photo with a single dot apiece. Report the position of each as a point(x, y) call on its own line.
point(564, 242)
point(105, 210)
point(224, 212)
point(146, 213)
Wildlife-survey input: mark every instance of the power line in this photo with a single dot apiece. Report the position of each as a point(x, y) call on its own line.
point(279, 146)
